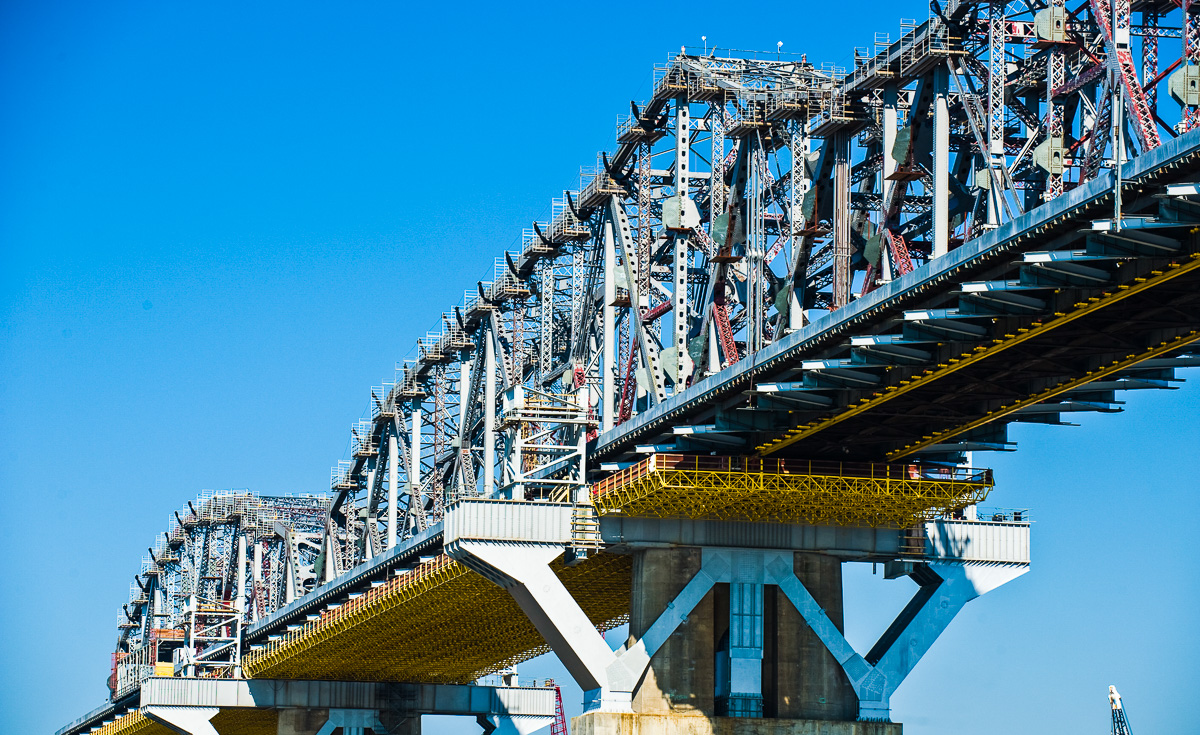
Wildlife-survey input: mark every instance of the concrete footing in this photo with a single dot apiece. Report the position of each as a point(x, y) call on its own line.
point(614, 723)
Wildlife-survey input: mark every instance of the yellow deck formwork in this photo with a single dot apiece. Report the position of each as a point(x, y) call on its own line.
point(440, 623)
point(134, 723)
point(788, 491)
point(246, 721)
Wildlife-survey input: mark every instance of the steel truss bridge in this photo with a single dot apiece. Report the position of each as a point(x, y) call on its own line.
point(796, 297)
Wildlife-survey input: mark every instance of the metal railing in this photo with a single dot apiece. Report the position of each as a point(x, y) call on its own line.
point(771, 466)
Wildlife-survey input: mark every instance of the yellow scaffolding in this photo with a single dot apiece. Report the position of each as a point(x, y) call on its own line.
point(440, 623)
point(789, 491)
point(134, 723)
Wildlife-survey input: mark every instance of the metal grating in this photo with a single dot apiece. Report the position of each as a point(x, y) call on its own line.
point(789, 491)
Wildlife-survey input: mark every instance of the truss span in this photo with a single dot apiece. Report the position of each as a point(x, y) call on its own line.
point(990, 219)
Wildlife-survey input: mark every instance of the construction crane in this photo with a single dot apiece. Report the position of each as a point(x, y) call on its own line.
point(1120, 725)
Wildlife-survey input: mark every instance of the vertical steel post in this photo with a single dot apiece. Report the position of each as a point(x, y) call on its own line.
point(464, 397)
point(941, 162)
point(370, 496)
point(997, 73)
point(240, 577)
point(464, 440)
point(841, 218)
point(717, 180)
point(546, 314)
point(393, 483)
point(1150, 57)
point(414, 465)
point(754, 248)
point(1191, 55)
point(714, 357)
point(240, 605)
point(608, 362)
point(256, 580)
point(800, 186)
point(888, 167)
point(489, 417)
point(679, 319)
point(1056, 76)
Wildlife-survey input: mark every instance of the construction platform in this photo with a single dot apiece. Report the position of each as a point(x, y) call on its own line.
point(789, 491)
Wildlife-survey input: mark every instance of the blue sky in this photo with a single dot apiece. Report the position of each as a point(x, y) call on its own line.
point(219, 225)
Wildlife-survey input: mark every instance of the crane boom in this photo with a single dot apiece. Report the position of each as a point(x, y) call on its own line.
point(1120, 725)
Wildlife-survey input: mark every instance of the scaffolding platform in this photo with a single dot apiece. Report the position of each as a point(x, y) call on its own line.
point(789, 491)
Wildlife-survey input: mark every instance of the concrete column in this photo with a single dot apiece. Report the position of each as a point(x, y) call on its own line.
point(187, 720)
point(680, 676)
point(489, 417)
point(941, 162)
point(401, 723)
point(802, 679)
point(739, 659)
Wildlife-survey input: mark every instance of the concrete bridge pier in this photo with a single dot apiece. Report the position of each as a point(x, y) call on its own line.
point(742, 660)
point(736, 629)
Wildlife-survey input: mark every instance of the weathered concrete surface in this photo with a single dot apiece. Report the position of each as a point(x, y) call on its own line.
point(801, 679)
point(612, 723)
point(680, 676)
point(401, 724)
point(302, 721)
point(239, 721)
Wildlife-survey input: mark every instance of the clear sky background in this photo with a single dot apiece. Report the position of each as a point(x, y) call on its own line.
point(219, 225)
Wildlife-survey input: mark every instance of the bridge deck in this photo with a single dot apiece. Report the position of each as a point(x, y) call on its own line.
point(968, 339)
point(440, 623)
